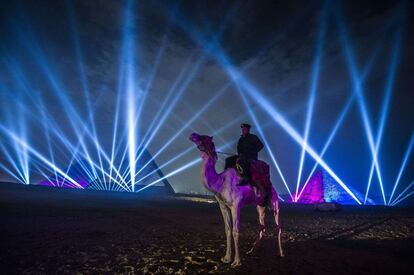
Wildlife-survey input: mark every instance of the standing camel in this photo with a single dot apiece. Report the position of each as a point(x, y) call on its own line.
point(232, 197)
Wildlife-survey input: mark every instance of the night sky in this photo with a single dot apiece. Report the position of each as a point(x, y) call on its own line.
point(273, 43)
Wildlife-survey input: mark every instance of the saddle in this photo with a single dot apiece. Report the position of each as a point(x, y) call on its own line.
point(260, 175)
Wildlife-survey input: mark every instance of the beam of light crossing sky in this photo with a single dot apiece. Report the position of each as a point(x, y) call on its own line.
point(11, 173)
point(273, 112)
point(385, 105)
point(403, 198)
point(180, 169)
point(312, 94)
point(358, 89)
point(397, 199)
point(402, 167)
point(13, 163)
point(328, 142)
point(279, 119)
point(20, 78)
point(152, 132)
point(217, 95)
point(340, 120)
point(15, 120)
point(75, 120)
point(194, 70)
point(151, 77)
point(38, 155)
point(263, 136)
point(215, 133)
point(115, 129)
point(86, 93)
point(221, 58)
point(186, 125)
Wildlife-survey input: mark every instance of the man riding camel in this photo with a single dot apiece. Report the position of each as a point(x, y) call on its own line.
point(248, 148)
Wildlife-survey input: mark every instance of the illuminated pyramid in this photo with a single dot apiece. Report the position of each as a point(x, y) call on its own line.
point(323, 188)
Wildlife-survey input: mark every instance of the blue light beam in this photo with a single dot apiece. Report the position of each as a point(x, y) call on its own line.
point(38, 155)
point(259, 128)
point(278, 118)
point(358, 89)
point(312, 95)
point(386, 103)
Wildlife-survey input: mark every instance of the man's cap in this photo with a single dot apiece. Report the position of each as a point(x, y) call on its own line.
point(245, 125)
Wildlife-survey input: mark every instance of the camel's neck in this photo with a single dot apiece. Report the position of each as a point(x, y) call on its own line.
point(211, 180)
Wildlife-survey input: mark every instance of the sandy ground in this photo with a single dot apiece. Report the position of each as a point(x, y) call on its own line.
point(47, 230)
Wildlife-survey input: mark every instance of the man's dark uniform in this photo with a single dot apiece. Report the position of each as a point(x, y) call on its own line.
point(247, 148)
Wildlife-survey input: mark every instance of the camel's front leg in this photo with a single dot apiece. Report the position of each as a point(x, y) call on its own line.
point(278, 226)
point(227, 227)
point(235, 212)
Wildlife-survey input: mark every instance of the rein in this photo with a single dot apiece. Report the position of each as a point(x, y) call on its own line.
point(224, 153)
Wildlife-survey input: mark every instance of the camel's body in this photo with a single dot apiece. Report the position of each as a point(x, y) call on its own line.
point(231, 199)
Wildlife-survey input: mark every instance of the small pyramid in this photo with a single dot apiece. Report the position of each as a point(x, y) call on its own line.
point(314, 191)
point(322, 187)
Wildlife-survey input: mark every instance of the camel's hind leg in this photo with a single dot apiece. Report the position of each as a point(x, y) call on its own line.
point(261, 210)
point(275, 206)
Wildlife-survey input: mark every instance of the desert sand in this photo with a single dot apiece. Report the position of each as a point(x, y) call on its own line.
point(59, 231)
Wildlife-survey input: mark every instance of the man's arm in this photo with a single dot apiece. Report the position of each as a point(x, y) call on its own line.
point(238, 147)
point(259, 144)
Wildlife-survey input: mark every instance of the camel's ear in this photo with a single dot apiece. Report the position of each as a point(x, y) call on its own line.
point(211, 138)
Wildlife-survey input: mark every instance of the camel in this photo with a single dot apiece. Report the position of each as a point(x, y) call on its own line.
point(231, 198)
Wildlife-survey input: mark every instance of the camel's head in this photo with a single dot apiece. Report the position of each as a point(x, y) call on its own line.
point(204, 144)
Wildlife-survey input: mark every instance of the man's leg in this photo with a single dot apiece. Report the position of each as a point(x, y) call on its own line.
point(245, 164)
point(231, 162)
